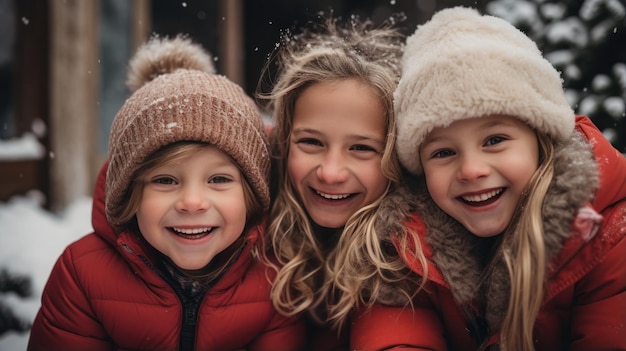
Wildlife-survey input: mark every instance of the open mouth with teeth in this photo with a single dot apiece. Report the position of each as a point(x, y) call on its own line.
point(333, 197)
point(191, 234)
point(482, 199)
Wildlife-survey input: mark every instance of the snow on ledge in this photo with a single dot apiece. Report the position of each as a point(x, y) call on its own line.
point(25, 148)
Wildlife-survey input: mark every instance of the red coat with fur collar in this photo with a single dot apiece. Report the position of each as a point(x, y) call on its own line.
point(584, 306)
point(104, 294)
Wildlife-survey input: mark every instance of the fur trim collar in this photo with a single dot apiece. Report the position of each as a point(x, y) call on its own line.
point(460, 255)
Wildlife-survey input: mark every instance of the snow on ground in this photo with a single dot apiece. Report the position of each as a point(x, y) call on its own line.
point(31, 241)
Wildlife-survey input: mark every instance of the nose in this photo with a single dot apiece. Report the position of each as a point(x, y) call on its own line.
point(193, 199)
point(472, 167)
point(332, 169)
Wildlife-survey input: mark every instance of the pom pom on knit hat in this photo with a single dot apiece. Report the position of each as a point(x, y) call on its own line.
point(158, 57)
point(462, 65)
point(178, 97)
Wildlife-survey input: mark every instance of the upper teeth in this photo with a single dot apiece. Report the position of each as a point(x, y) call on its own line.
point(192, 231)
point(482, 197)
point(333, 197)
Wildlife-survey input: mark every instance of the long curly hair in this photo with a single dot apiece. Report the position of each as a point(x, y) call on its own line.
point(311, 277)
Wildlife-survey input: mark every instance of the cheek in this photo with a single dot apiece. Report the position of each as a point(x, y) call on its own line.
point(376, 179)
point(436, 185)
point(145, 209)
point(523, 177)
point(296, 167)
point(146, 221)
point(233, 210)
point(523, 169)
point(238, 208)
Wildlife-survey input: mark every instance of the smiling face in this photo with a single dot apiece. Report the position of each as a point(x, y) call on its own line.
point(477, 169)
point(193, 208)
point(336, 145)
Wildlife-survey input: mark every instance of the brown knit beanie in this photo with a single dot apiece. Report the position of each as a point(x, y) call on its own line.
point(462, 65)
point(179, 97)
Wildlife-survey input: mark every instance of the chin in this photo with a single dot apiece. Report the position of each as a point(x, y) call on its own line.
point(191, 266)
point(325, 223)
point(487, 233)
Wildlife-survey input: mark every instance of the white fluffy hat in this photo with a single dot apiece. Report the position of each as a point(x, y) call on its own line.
point(462, 65)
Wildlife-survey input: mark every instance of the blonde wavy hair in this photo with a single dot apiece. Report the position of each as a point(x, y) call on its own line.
point(524, 253)
point(314, 278)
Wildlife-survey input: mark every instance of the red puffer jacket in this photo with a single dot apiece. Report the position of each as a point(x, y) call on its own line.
point(611, 165)
point(584, 306)
point(104, 294)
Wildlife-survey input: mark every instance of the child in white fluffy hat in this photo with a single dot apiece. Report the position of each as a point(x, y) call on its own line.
point(511, 254)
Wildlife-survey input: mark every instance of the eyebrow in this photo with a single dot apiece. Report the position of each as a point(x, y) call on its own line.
point(497, 122)
point(357, 137)
point(492, 122)
point(305, 130)
point(429, 140)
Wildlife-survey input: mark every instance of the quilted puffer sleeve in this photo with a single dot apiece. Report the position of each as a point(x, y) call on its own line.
point(66, 320)
point(397, 328)
point(599, 312)
point(284, 334)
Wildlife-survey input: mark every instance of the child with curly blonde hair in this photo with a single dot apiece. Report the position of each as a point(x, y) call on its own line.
point(333, 145)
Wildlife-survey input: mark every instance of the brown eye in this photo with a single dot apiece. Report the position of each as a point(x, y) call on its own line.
point(309, 141)
point(220, 179)
point(163, 180)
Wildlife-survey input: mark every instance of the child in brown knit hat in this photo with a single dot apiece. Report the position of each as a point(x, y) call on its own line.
point(169, 265)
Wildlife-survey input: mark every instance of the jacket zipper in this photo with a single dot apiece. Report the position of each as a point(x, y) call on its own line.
point(188, 329)
point(190, 308)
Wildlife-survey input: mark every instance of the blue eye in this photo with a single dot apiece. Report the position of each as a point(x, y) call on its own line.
point(443, 153)
point(494, 140)
point(361, 147)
